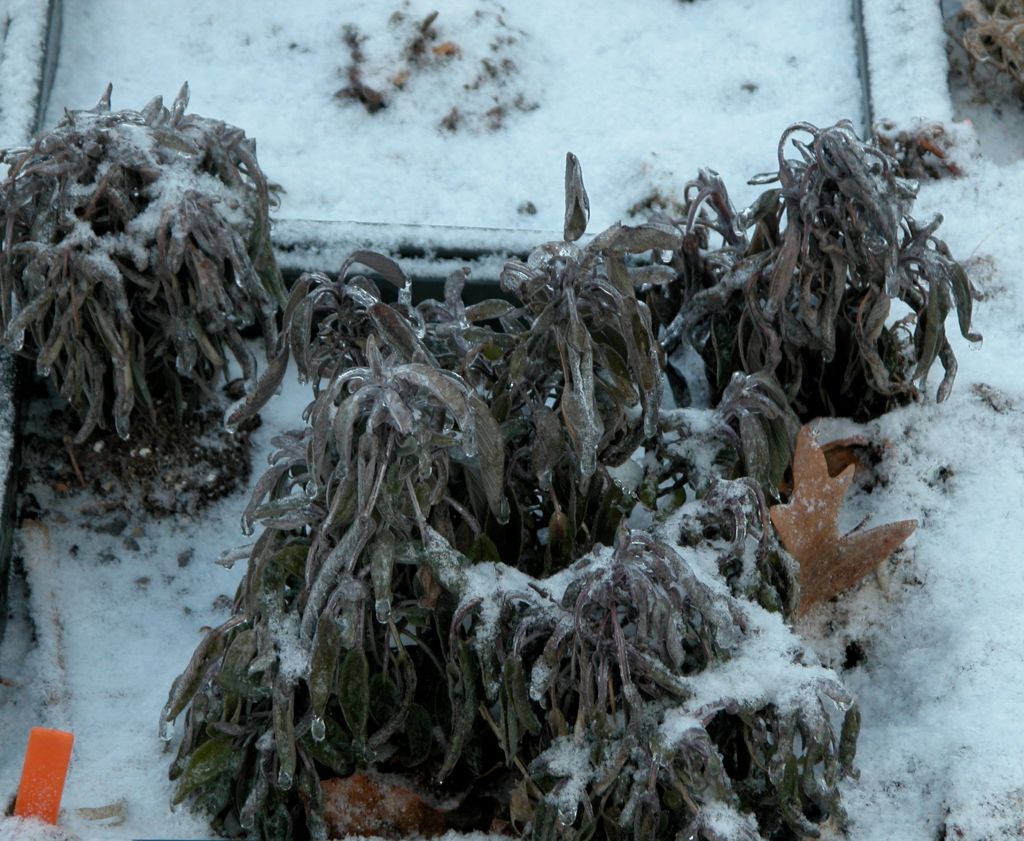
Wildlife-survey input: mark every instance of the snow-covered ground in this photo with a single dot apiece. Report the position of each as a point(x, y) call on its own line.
point(644, 99)
point(642, 93)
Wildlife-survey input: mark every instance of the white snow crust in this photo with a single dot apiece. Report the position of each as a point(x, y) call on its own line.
point(643, 97)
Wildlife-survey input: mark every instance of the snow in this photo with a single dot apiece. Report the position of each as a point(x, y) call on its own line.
point(941, 688)
point(907, 64)
point(643, 102)
point(22, 34)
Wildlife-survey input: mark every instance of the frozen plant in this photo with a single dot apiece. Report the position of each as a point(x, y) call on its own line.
point(594, 685)
point(134, 250)
point(991, 32)
point(467, 578)
point(800, 286)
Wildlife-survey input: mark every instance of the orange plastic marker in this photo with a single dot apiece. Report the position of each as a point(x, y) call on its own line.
point(43, 774)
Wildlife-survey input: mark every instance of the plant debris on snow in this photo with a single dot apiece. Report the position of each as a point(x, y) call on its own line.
point(479, 74)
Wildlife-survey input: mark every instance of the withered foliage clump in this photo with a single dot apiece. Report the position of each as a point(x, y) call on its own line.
point(480, 70)
point(922, 151)
point(134, 250)
point(800, 286)
point(991, 33)
point(452, 580)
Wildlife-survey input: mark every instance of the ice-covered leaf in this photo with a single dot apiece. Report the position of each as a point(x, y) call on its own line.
point(577, 205)
point(354, 693)
point(579, 409)
point(327, 644)
point(490, 447)
point(382, 561)
point(213, 759)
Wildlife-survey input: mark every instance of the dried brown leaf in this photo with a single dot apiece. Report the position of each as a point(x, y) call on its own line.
point(371, 805)
point(808, 526)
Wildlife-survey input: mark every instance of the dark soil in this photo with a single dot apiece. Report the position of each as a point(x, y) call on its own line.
point(170, 465)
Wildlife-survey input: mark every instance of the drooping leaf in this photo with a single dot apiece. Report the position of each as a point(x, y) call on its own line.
point(354, 693)
point(577, 205)
point(214, 759)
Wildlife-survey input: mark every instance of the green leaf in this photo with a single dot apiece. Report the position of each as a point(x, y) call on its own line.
point(930, 332)
point(483, 550)
point(334, 750)
point(292, 559)
point(848, 740)
point(961, 287)
point(284, 738)
point(324, 663)
point(354, 693)
point(419, 733)
point(511, 730)
point(515, 684)
point(233, 675)
point(462, 689)
point(209, 762)
point(384, 698)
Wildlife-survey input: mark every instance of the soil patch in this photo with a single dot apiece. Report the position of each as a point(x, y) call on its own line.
point(171, 465)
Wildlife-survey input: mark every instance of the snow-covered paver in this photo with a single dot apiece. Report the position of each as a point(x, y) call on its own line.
point(906, 52)
point(23, 31)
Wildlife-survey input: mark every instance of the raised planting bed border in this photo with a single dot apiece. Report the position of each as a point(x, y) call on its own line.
point(29, 45)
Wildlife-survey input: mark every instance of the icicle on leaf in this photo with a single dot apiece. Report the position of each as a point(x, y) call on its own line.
point(186, 684)
point(322, 668)
point(284, 737)
point(382, 561)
